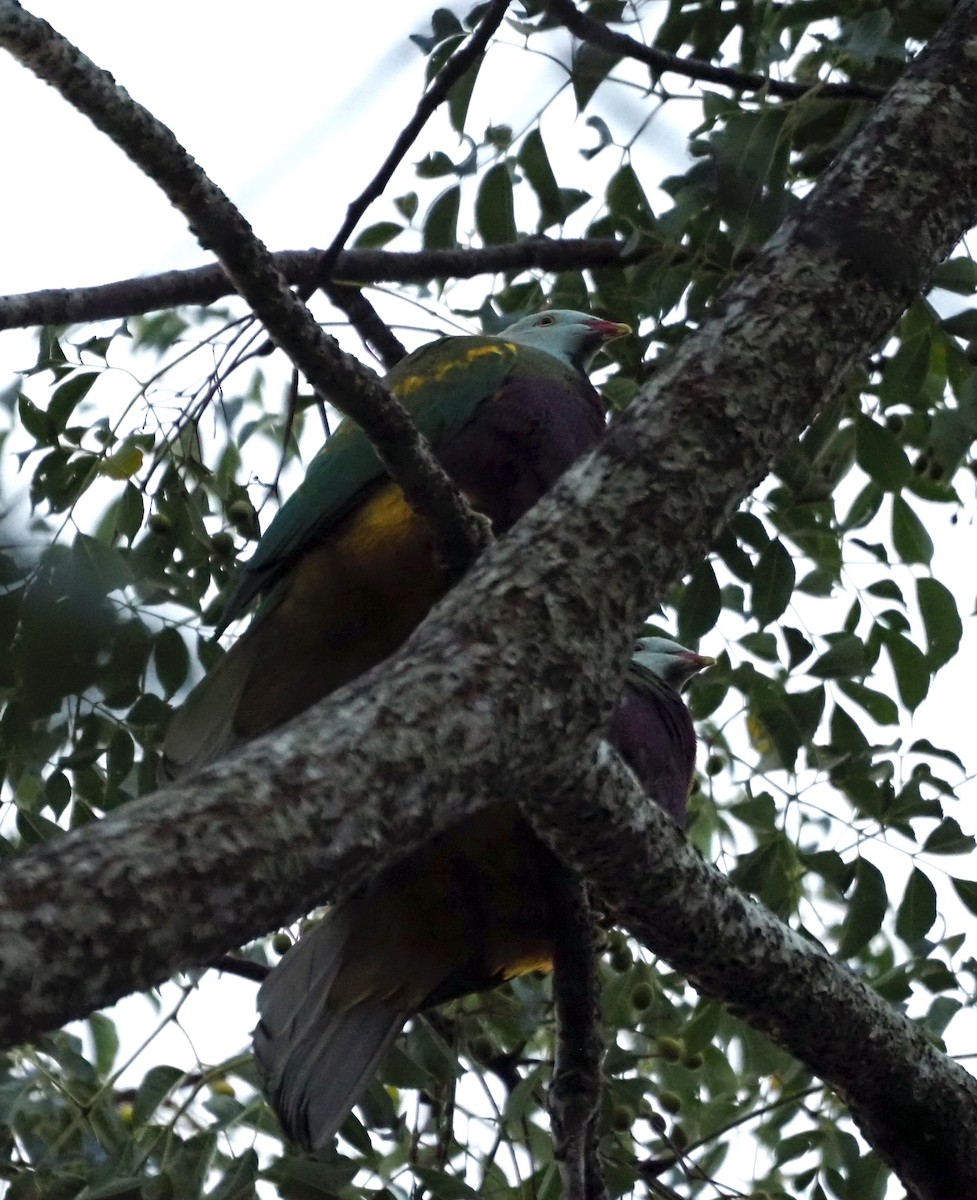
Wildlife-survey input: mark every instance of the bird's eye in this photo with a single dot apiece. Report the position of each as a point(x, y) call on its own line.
point(545, 320)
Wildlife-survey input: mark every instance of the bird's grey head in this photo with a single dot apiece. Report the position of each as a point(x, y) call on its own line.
point(668, 661)
point(572, 337)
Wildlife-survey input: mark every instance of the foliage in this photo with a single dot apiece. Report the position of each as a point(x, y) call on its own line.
point(821, 590)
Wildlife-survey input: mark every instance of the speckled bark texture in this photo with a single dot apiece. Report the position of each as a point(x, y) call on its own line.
point(206, 285)
point(505, 690)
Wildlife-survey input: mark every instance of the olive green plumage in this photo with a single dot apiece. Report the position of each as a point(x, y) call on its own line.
point(346, 570)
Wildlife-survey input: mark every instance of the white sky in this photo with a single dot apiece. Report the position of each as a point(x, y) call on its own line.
point(290, 109)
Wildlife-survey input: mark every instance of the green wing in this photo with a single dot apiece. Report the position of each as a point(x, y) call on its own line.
point(441, 385)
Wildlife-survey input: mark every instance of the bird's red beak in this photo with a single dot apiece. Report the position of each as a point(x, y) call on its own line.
point(699, 661)
point(609, 330)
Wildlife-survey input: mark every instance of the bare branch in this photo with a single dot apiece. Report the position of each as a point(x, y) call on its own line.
point(219, 226)
point(574, 1096)
point(205, 285)
point(661, 61)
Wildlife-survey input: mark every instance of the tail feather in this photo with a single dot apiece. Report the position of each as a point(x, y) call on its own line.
point(202, 729)
point(325, 1073)
point(313, 1059)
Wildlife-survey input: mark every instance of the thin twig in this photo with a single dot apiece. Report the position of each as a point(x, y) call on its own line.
point(247, 968)
point(597, 33)
point(339, 379)
point(574, 1096)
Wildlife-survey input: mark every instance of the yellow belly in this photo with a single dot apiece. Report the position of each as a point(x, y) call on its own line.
point(348, 604)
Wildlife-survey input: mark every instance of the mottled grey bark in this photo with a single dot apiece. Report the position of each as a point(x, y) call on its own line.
point(206, 285)
point(915, 1106)
point(504, 690)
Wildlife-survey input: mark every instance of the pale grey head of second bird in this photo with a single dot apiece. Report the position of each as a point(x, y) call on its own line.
point(668, 661)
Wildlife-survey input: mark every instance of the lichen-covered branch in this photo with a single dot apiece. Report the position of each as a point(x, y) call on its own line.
point(916, 1106)
point(219, 226)
point(205, 285)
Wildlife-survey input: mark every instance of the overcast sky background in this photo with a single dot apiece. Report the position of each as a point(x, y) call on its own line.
point(290, 109)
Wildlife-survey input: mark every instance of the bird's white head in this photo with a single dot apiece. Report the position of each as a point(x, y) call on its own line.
point(668, 661)
point(572, 337)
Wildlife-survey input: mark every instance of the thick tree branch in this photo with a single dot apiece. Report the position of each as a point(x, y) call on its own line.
point(661, 62)
point(456, 720)
point(219, 226)
point(205, 285)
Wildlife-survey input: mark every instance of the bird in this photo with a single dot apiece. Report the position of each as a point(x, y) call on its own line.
point(347, 569)
point(466, 912)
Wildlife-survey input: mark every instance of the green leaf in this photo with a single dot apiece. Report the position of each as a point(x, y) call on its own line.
point(441, 223)
point(763, 645)
point(699, 607)
point(106, 1040)
point(878, 453)
point(66, 397)
point(157, 1084)
point(107, 565)
point(494, 215)
point(406, 205)
point(444, 1186)
point(237, 1182)
point(966, 890)
point(844, 658)
point(172, 660)
point(37, 422)
point(941, 620)
point(591, 66)
point(881, 708)
point(773, 582)
point(913, 544)
point(925, 746)
point(910, 666)
point(866, 910)
point(604, 138)
point(378, 235)
point(956, 275)
point(917, 912)
point(949, 838)
point(864, 507)
point(460, 96)
point(535, 165)
point(886, 589)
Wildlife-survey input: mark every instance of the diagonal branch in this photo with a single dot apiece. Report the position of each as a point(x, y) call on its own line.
point(908, 1100)
point(661, 61)
point(219, 226)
